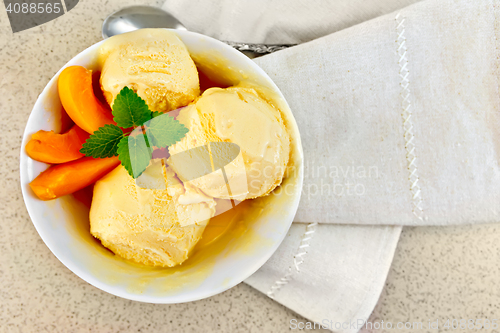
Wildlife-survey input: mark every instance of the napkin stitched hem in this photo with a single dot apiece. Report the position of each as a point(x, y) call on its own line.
point(406, 114)
point(300, 254)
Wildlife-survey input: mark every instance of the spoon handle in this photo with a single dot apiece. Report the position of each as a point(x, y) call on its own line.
point(259, 48)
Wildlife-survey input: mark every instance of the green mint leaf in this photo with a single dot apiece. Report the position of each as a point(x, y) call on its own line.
point(103, 142)
point(134, 154)
point(164, 131)
point(129, 110)
point(155, 114)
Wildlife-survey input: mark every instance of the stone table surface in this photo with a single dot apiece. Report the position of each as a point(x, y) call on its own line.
point(437, 273)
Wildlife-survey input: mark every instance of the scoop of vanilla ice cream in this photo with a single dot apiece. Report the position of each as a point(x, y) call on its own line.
point(156, 227)
point(198, 163)
point(154, 63)
point(237, 115)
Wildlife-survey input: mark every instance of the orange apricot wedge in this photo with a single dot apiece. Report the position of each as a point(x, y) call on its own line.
point(78, 99)
point(49, 147)
point(67, 178)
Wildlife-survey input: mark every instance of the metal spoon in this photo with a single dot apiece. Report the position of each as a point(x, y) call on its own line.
point(137, 17)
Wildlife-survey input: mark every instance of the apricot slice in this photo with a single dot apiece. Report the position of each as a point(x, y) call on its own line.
point(49, 147)
point(67, 178)
point(78, 99)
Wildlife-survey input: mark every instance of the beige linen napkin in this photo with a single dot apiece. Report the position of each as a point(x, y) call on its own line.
point(398, 118)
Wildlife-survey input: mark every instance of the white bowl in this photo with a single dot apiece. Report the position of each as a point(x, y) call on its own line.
point(63, 223)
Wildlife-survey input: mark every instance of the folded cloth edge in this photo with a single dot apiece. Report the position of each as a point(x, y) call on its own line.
point(341, 308)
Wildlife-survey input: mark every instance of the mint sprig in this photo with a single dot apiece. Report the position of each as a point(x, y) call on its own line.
point(129, 110)
point(134, 148)
point(103, 142)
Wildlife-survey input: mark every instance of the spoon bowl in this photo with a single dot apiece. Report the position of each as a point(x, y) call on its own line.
point(137, 17)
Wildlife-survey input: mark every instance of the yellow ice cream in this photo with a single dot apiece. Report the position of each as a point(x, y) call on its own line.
point(238, 115)
point(154, 63)
point(156, 227)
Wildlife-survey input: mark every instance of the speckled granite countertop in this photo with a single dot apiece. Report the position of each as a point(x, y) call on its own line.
point(438, 273)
